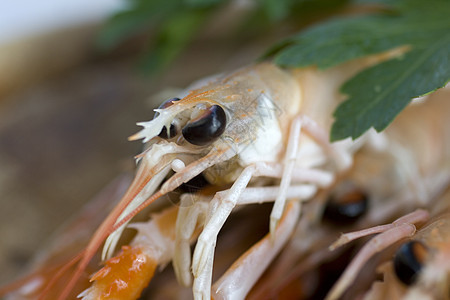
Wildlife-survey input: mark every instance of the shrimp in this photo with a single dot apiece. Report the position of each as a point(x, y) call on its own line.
point(231, 152)
point(258, 135)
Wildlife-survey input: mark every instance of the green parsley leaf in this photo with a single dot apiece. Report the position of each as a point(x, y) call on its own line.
point(377, 95)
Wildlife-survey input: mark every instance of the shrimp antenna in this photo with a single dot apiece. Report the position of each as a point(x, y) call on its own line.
point(105, 229)
point(59, 273)
point(100, 235)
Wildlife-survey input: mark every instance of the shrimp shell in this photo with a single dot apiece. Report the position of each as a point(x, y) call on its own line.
point(274, 148)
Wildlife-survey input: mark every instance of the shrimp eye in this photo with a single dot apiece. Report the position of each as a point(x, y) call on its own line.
point(173, 129)
point(409, 260)
point(346, 206)
point(207, 127)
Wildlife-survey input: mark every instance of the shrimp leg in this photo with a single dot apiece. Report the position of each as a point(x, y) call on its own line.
point(342, 159)
point(238, 280)
point(220, 208)
point(194, 207)
point(188, 216)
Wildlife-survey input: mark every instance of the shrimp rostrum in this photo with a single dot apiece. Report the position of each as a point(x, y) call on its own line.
point(259, 134)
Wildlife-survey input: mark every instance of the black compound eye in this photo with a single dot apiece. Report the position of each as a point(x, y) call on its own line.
point(207, 127)
point(347, 207)
point(409, 260)
point(173, 129)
